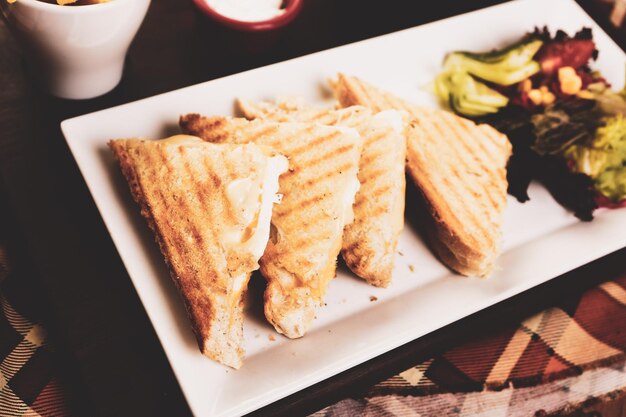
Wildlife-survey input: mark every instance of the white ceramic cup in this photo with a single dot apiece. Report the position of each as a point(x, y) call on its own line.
point(75, 52)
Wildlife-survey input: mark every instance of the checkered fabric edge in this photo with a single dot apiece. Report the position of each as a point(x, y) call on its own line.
point(28, 383)
point(550, 362)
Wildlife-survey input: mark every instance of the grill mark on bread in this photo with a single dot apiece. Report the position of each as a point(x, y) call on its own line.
point(484, 166)
point(375, 193)
point(390, 102)
point(387, 103)
point(462, 255)
point(442, 168)
point(328, 175)
point(504, 146)
point(200, 276)
point(231, 173)
point(472, 131)
point(462, 157)
point(505, 150)
point(313, 222)
point(308, 164)
point(191, 176)
point(372, 139)
point(407, 107)
point(290, 205)
point(490, 136)
point(366, 94)
point(230, 214)
point(307, 202)
point(488, 159)
point(452, 182)
point(296, 154)
point(381, 101)
point(157, 222)
point(369, 157)
point(160, 220)
point(301, 244)
point(198, 192)
point(373, 97)
point(304, 256)
point(195, 124)
point(372, 175)
point(497, 140)
point(394, 103)
point(486, 163)
point(473, 216)
point(142, 199)
point(316, 118)
point(356, 91)
point(266, 131)
point(276, 144)
point(379, 210)
point(368, 219)
point(315, 143)
point(496, 136)
point(284, 144)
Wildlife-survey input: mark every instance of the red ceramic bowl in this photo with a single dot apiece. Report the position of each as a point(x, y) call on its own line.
point(291, 11)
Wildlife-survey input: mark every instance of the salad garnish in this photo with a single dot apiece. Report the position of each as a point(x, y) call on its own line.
point(566, 124)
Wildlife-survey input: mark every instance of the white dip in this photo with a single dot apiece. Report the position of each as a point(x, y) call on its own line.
point(248, 10)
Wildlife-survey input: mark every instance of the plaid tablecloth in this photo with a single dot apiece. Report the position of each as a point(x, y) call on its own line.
point(553, 362)
point(29, 380)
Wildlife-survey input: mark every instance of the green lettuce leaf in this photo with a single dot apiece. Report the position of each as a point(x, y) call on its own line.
point(604, 158)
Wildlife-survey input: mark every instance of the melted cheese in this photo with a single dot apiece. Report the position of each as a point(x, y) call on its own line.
point(348, 200)
point(352, 187)
point(243, 195)
point(252, 199)
point(239, 283)
point(391, 118)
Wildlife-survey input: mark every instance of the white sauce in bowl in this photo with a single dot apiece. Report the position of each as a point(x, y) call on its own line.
point(248, 10)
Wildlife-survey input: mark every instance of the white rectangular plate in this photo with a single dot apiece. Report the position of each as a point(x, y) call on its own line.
point(541, 239)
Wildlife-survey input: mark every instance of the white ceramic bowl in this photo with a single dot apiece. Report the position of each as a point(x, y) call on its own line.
point(75, 52)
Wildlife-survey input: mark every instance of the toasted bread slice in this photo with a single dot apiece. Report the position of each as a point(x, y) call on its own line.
point(284, 110)
point(369, 243)
point(209, 207)
point(318, 193)
point(460, 168)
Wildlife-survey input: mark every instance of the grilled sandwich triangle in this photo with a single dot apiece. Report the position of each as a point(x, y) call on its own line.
point(209, 207)
point(459, 167)
point(318, 193)
point(369, 243)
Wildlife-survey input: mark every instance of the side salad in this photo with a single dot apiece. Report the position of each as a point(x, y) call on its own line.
point(567, 126)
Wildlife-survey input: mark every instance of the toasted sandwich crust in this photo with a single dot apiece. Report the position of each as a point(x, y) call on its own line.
point(369, 243)
point(459, 168)
point(202, 268)
point(300, 258)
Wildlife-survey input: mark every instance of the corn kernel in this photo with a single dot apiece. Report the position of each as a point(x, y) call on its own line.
point(566, 72)
point(585, 94)
point(571, 85)
point(544, 89)
point(535, 96)
point(548, 98)
point(526, 85)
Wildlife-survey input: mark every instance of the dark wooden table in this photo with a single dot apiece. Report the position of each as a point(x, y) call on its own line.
point(108, 346)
